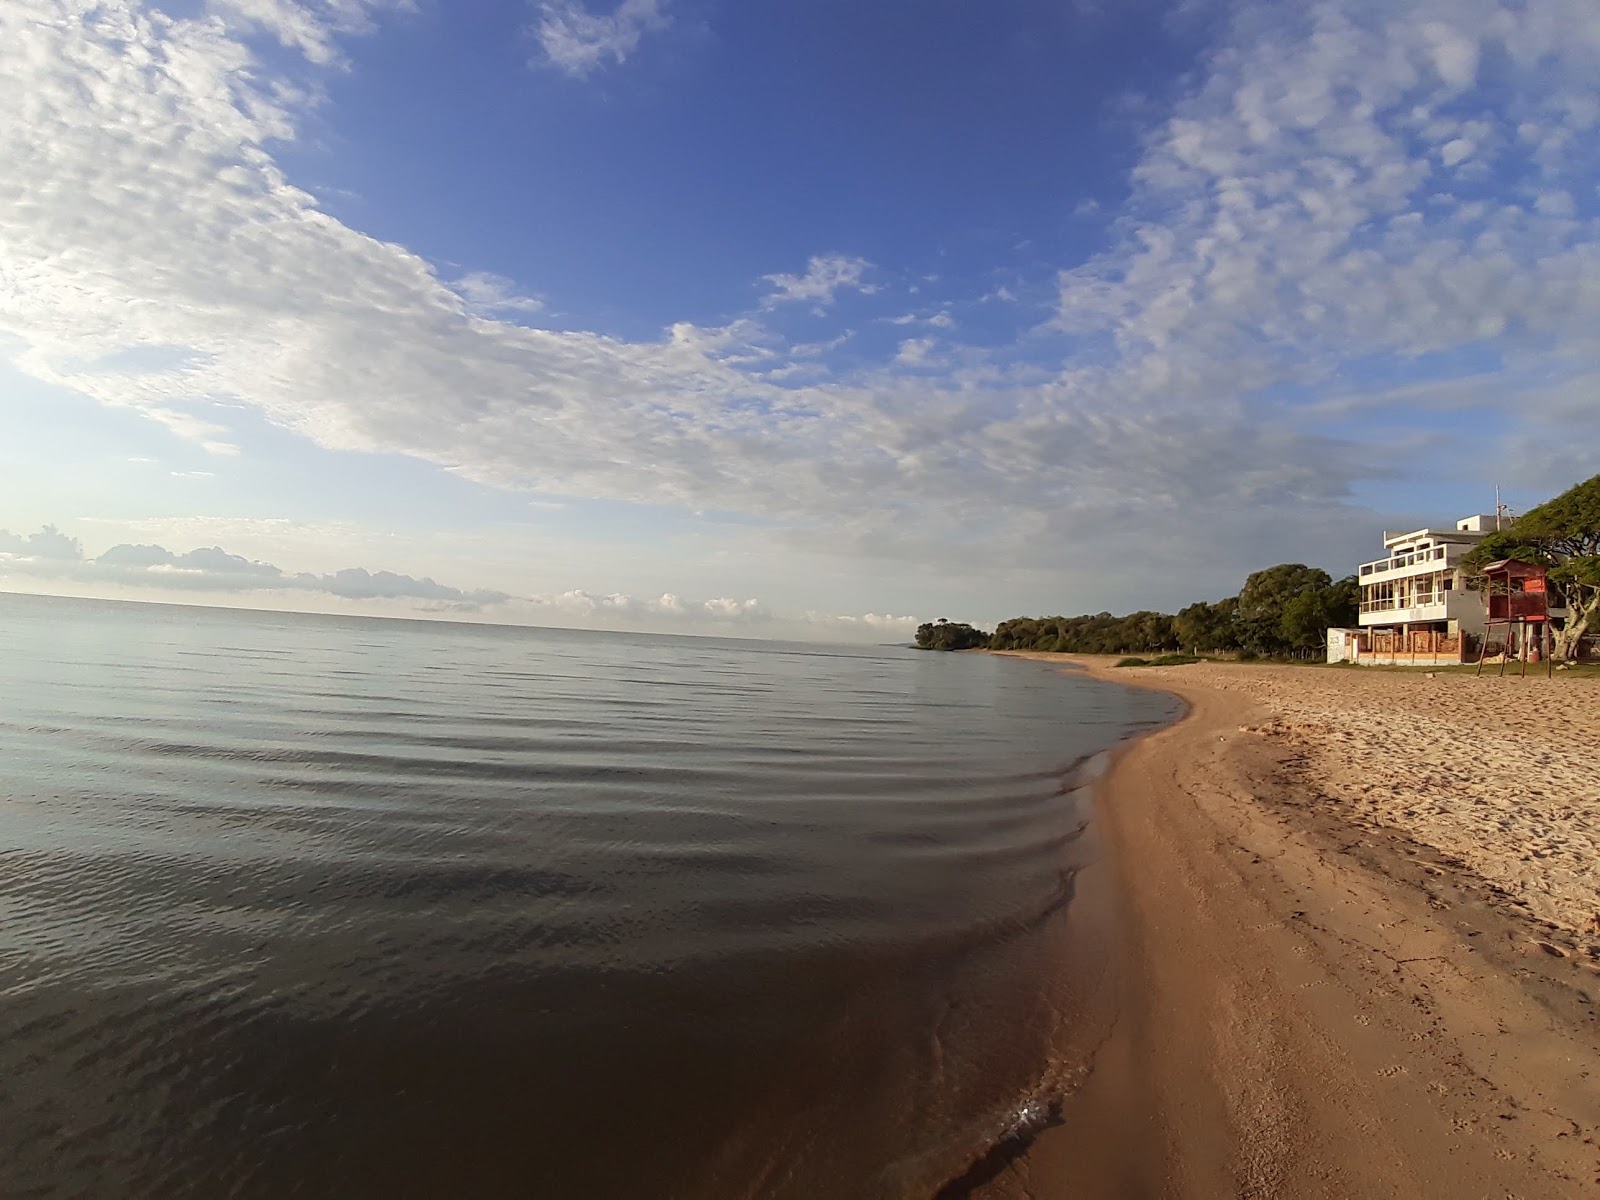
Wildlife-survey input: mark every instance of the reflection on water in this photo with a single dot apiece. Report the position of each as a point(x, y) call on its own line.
point(299, 906)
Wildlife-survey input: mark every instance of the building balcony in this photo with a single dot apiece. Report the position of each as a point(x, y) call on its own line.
point(1434, 607)
point(1429, 559)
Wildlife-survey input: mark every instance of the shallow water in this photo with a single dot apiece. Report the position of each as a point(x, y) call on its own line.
point(304, 906)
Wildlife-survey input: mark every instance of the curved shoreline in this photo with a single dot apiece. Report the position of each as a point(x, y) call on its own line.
point(1308, 1007)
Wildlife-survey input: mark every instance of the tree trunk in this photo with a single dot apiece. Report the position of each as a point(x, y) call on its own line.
point(1578, 619)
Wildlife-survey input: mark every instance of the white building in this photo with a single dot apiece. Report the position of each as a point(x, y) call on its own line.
point(1417, 585)
point(1415, 606)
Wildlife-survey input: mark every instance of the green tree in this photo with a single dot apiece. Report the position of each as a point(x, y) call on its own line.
point(1344, 603)
point(1265, 599)
point(950, 635)
point(1563, 533)
point(1267, 593)
point(1207, 627)
point(1147, 631)
point(1305, 620)
point(1308, 616)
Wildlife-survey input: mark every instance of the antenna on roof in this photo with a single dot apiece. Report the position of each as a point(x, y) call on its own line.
point(1502, 512)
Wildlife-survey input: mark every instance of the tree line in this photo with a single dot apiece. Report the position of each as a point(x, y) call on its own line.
point(1280, 611)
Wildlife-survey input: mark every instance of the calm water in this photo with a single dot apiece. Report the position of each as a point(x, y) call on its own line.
point(298, 906)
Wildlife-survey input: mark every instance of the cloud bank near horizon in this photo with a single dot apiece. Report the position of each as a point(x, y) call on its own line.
point(150, 569)
point(49, 553)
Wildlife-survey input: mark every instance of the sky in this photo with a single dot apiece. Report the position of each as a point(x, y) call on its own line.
point(807, 318)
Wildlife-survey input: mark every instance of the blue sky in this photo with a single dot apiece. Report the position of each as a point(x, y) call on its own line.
point(792, 319)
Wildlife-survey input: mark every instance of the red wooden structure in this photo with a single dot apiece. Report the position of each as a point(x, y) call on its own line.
point(1518, 597)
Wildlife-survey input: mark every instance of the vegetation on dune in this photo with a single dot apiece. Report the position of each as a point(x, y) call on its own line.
point(1282, 610)
point(1564, 534)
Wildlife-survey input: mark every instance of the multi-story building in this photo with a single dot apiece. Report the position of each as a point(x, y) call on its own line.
point(1415, 605)
point(1417, 586)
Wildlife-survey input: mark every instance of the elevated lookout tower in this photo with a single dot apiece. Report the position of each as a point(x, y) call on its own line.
point(1517, 597)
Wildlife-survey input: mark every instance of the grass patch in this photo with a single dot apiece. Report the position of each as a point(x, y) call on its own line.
point(1165, 660)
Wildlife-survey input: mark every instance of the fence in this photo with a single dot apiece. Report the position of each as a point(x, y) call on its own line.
point(1417, 648)
point(1417, 641)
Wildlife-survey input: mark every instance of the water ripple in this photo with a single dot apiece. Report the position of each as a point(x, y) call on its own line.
point(305, 906)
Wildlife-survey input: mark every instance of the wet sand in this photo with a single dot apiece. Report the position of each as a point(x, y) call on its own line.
point(1354, 952)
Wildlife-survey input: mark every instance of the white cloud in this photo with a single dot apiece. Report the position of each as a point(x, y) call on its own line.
point(938, 320)
point(1284, 219)
point(1556, 204)
point(619, 607)
point(915, 352)
point(880, 622)
point(817, 349)
point(726, 608)
point(826, 276)
point(1454, 50)
point(49, 545)
point(309, 26)
point(1292, 215)
point(577, 41)
point(487, 294)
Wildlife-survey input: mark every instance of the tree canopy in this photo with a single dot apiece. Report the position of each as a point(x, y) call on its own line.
point(1564, 534)
point(950, 635)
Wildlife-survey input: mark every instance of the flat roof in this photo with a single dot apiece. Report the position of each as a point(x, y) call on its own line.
point(1450, 534)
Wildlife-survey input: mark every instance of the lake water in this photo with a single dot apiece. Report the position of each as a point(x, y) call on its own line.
point(305, 906)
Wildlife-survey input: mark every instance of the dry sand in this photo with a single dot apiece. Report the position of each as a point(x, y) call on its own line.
point(1359, 952)
point(1503, 774)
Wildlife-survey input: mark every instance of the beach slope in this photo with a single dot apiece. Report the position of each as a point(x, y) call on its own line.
point(1359, 950)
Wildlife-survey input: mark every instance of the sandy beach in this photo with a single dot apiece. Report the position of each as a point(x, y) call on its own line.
point(1359, 927)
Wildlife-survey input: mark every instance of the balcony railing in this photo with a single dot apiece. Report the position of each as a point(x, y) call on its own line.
point(1395, 603)
point(1434, 554)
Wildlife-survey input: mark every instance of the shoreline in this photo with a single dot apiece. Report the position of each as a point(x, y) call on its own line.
point(1311, 1005)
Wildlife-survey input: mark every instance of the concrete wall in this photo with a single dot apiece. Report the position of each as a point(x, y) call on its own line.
point(1341, 644)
